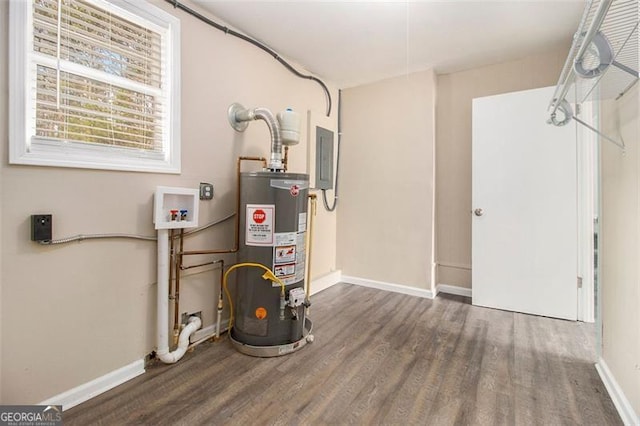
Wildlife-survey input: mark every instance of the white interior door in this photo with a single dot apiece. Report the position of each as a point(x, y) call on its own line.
point(524, 232)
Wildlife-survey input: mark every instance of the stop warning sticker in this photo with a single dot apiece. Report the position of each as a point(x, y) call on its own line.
point(260, 224)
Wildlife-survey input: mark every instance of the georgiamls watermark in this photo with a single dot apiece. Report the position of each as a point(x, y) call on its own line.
point(30, 415)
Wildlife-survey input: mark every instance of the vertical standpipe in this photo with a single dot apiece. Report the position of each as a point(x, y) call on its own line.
point(273, 230)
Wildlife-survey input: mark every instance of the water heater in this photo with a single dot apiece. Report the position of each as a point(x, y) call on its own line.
point(273, 231)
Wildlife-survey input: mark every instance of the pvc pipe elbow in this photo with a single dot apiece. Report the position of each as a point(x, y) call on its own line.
point(193, 324)
point(183, 343)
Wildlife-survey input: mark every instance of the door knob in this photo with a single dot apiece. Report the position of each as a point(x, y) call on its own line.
point(478, 212)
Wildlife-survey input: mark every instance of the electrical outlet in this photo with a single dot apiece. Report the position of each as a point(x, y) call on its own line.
point(41, 227)
point(206, 191)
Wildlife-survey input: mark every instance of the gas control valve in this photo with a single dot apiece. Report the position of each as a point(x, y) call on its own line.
point(296, 297)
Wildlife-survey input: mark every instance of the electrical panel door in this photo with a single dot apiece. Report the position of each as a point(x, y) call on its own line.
point(324, 158)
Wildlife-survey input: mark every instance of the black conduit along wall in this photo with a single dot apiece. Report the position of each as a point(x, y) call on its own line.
point(257, 44)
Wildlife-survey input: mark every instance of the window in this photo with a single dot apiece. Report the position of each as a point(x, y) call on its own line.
point(94, 84)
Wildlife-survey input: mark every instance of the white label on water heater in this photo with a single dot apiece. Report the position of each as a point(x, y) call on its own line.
point(260, 218)
point(285, 271)
point(284, 257)
point(302, 222)
point(300, 244)
point(284, 254)
point(285, 238)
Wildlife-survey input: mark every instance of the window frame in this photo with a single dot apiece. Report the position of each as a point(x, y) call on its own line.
point(27, 149)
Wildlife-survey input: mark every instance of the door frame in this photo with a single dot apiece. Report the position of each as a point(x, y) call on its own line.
point(587, 181)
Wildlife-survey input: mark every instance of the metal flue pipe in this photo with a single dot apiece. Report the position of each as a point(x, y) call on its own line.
point(239, 118)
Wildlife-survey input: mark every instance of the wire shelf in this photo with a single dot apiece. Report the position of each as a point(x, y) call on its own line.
point(602, 62)
point(615, 22)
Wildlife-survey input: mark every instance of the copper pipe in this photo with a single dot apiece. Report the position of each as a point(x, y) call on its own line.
point(216, 336)
point(285, 161)
point(182, 267)
point(312, 212)
point(219, 251)
point(221, 277)
point(237, 219)
point(213, 262)
point(171, 263)
point(176, 294)
point(220, 305)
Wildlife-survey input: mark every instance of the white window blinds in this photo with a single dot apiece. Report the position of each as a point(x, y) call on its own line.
point(99, 77)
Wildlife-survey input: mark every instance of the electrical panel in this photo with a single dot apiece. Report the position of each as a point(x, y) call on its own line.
point(321, 138)
point(324, 158)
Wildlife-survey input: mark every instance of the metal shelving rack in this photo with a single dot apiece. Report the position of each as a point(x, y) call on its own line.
point(602, 62)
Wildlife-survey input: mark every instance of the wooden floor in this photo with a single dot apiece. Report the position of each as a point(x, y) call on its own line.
point(380, 358)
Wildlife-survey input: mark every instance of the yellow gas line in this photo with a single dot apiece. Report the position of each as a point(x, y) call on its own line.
point(268, 275)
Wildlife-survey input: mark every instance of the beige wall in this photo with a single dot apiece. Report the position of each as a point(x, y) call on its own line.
point(385, 220)
point(453, 149)
point(72, 313)
point(620, 253)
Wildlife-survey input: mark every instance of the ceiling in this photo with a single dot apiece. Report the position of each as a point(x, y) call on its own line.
point(354, 42)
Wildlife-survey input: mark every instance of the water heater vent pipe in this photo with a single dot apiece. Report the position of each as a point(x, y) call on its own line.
point(239, 118)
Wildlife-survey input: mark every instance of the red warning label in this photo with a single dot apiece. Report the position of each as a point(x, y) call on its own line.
point(260, 224)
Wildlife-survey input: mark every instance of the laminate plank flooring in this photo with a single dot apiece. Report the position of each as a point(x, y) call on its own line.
point(379, 358)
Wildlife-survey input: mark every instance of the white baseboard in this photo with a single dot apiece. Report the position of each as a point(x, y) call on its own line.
point(454, 265)
point(396, 288)
point(95, 387)
point(326, 281)
point(628, 415)
point(453, 289)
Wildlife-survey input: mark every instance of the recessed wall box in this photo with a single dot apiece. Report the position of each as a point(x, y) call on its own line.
point(175, 208)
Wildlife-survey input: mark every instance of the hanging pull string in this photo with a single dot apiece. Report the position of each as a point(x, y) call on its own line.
point(406, 39)
point(226, 30)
